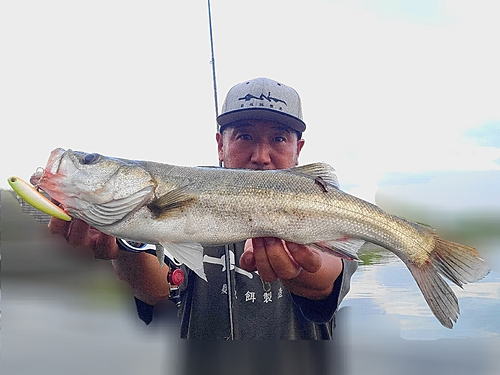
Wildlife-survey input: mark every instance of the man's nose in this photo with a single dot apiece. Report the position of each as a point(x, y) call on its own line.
point(261, 155)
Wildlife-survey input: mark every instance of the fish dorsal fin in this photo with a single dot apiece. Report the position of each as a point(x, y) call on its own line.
point(323, 170)
point(172, 202)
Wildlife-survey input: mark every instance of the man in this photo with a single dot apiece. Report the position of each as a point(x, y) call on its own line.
point(296, 291)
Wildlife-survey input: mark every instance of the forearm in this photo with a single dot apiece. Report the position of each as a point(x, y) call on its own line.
point(144, 275)
point(141, 270)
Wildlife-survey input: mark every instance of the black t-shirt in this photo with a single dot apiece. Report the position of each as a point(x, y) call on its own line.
point(260, 311)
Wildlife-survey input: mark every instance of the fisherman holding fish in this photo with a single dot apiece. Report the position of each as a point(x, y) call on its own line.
point(272, 289)
point(248, 234)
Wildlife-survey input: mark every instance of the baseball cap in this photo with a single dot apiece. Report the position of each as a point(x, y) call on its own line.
point(262, 99)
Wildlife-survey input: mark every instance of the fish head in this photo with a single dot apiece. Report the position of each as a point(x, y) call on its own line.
point(98, 189)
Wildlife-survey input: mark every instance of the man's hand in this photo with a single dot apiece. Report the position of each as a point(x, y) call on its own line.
point(79, 233)
point(141, 271)
point(302, 270)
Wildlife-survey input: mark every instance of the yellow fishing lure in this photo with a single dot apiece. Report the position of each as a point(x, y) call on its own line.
point(36, 199)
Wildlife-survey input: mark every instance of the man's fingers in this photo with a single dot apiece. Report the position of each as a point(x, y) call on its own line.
point(276, 259)
point(75, 231)
point(262, 263)
point(307, 258)
point(283, 264)
point(58, 226)
point(104, 246)
point(247, 259)
point(78, 233)
point(273, 260)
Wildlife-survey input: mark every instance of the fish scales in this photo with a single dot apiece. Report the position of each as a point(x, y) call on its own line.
point(248, 200)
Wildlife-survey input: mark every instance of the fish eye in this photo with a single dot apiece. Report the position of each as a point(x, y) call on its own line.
point(90, 158)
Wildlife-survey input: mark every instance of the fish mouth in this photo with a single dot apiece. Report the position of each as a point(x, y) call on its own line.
point(54, 161)
point(51, 168)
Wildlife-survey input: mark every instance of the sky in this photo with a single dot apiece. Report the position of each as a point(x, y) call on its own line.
point(393, 92)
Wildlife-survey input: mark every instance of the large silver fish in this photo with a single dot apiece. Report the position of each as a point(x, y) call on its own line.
point(182, 209)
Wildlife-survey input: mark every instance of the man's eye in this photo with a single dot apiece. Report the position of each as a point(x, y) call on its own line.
point(279, 139)
point(245, 137)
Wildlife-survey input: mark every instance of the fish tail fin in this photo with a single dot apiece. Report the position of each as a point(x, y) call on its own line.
point(460, 264)
point(437, 293)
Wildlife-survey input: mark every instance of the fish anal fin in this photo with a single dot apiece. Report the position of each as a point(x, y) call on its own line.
point(342, 247)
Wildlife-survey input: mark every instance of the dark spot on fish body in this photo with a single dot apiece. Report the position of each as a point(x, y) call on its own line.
point(251, 223)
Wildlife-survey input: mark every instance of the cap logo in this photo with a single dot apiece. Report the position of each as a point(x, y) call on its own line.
point(269, 98)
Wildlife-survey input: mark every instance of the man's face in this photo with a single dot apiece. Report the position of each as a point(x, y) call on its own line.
point(259, 144)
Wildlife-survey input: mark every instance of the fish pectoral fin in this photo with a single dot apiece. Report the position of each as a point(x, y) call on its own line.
point(342, 247)
point(172, 202)
point(113, 211)
point(322, 170)
point(190, 254)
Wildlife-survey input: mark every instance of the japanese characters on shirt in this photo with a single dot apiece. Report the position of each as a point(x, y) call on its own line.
point(251, 296)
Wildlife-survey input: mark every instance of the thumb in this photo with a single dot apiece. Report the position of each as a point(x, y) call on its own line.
point(104, 246)
point(247, 260)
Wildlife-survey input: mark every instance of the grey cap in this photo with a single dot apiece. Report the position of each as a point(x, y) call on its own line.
point(263, 99)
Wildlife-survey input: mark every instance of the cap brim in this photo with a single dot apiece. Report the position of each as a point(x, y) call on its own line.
point(261, 114)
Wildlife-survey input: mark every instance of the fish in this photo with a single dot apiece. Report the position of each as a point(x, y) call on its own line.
point(182, 209)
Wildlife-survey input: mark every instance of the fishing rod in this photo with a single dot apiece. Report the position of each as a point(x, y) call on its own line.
point(212, 62)
point(226, 247)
